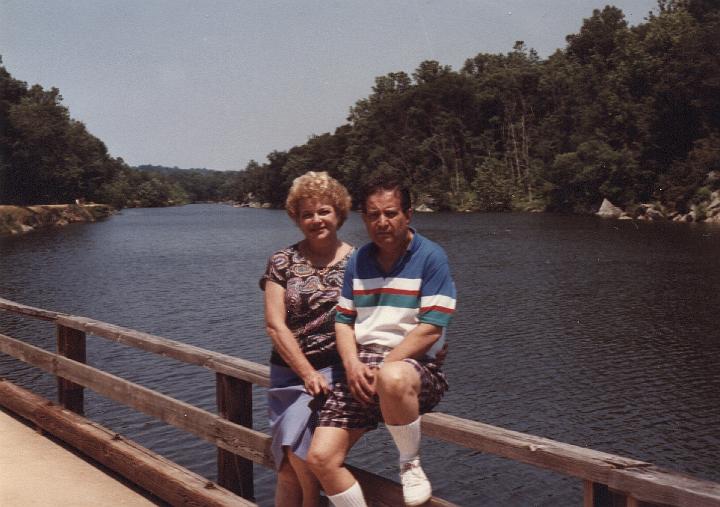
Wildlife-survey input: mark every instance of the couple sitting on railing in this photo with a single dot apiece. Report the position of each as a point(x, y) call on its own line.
point(356, 335)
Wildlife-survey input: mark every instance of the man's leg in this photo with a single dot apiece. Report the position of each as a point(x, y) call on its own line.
point(326, 457)
point(398, 387)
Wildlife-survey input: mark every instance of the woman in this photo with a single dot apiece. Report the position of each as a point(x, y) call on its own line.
point(302, 284)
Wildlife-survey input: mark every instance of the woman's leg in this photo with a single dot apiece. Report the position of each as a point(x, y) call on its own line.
point(308, 482)
point(327, 454)
point(288, 491)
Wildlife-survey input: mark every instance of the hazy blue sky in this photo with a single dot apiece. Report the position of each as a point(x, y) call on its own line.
point(217, 83)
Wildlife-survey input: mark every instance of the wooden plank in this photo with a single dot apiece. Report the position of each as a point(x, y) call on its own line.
point(234, 400)
point(642, 480)
point(71, 344)
point(246, 442)
point(221, 363)
point(567, 459)
point(30, 311)
point(657, 486)
point(163, 478)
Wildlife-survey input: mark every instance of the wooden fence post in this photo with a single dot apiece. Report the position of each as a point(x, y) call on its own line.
point(234, 401)
point(599, 495)
point(71, 344)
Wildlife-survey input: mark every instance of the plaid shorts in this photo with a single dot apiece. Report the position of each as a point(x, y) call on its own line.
point(342, 410)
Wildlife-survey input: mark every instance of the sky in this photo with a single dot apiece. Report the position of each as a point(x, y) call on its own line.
point(218, 83)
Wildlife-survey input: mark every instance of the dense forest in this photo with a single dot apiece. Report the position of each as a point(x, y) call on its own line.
point(631, 114)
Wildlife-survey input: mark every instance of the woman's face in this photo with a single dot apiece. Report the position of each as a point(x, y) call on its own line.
point(317, 219)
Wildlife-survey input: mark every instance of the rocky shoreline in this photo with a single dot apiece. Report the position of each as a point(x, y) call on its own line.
point(23, 219)
point(707, 211)
point(16, 220)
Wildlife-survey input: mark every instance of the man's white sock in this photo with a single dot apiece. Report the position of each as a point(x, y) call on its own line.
point(407, 439)
point(351, 497)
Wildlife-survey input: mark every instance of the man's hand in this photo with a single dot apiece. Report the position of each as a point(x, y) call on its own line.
point(361, 381)
point(316, 383)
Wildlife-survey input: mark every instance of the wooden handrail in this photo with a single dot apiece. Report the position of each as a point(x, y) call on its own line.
point(240, 440)
point(639, 480)
point(624, 474)
point(220, 363)
point(30, 311)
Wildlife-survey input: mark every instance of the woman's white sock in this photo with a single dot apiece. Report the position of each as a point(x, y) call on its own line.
point(407, 439)
point(351, 497)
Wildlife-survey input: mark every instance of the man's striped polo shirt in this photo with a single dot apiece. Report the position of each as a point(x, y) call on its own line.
point(384, 307)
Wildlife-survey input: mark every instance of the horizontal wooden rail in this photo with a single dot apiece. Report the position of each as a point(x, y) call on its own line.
point(30, 311)
point(161, 477)
point(642, 480)
point(221, 363)
point(215, 361)
point(232, 437)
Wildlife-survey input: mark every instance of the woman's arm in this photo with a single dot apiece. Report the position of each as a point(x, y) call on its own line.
point(285, 343)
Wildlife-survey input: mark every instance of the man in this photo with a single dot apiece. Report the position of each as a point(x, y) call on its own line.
point(397, 299)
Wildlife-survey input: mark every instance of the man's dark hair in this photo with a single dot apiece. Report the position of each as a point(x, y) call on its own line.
point(386, 178)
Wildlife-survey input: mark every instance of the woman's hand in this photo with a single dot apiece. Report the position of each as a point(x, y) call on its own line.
point(361, 381)
point(316, 383)
point(441, 355)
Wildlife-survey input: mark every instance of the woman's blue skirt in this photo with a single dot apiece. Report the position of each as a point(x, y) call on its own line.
point(292, 411)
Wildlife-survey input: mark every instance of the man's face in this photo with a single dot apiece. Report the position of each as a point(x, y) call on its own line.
point(387, 224)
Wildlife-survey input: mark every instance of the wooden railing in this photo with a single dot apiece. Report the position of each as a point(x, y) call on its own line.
point(609, 480)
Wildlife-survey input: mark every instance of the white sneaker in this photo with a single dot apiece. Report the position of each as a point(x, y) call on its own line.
point(416, 487)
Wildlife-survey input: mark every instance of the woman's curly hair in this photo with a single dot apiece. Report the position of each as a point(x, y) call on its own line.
point(318, 185)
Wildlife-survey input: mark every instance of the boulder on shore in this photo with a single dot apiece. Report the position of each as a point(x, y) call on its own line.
point(424, 208)
point(609, 210)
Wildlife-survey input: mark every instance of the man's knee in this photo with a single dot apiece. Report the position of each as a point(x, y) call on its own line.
point(322, 458)
point(397, 379)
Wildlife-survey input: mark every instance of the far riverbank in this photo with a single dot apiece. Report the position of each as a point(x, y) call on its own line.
point(22, 219)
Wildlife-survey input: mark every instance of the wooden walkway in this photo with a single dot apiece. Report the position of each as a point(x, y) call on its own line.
point(36, 471)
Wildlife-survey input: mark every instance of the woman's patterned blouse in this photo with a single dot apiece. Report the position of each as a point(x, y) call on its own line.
point(311, 294)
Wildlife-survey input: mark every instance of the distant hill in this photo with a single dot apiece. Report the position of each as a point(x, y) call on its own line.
point(198, 184)
point(173, 170)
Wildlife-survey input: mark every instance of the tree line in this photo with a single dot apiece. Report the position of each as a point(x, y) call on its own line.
point(46, 157)
point(631, 114)
point(628, 113)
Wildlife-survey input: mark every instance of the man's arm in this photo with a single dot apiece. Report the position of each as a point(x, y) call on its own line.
point(360, 377)
point(416, 343)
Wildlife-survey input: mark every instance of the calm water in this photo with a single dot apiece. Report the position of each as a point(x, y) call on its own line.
point(598, 333)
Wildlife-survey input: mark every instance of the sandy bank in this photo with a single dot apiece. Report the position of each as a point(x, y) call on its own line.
point(22, 219)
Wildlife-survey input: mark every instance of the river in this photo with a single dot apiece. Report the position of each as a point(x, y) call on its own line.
point(593, 332)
